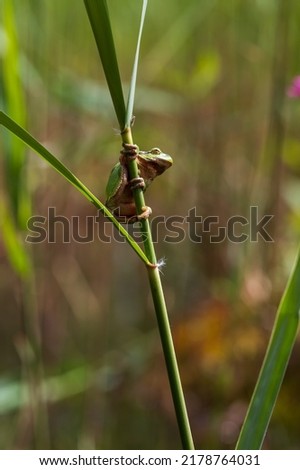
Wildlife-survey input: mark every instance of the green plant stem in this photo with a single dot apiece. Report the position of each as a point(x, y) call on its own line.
point(161, 312)
point(31, 356)
point(170, 359)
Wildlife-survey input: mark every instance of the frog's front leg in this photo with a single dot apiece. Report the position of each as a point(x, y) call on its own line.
point(129, 152)
point(136, 183)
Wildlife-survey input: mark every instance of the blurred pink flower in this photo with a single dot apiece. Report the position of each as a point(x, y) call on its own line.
point(294, 89)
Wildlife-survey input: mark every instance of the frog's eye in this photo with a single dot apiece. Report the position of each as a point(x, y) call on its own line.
point(155, 151)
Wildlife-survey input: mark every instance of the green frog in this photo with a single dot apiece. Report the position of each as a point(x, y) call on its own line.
point(119, 188)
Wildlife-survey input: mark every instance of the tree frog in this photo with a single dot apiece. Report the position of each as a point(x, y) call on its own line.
point(119, 188)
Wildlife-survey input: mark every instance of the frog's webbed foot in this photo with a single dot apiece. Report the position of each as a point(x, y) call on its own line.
point(147, 211)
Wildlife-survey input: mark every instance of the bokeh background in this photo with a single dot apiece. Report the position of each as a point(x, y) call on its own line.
point(81, 364)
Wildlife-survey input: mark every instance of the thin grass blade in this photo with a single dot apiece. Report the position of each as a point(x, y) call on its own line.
point(17, 255)
point(29, 140)
point(132, 87)
point(14, 104)
point(15, 208)
point(99, 18)
point(274, 366)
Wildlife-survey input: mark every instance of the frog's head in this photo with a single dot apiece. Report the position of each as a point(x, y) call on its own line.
point(157, 159)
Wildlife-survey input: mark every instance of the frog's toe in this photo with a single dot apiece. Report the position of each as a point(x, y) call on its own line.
point(147, 211)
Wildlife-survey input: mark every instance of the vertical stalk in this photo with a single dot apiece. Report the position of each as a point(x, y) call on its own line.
point(33, 363)
point(276, 126)
point(14, 220)
point(161, 311)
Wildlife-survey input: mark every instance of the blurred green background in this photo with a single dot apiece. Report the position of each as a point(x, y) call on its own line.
point(81, 364)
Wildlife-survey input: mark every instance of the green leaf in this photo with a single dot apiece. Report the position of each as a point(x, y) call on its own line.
point(69, 176)
point(15, 250)
point(14, 102)
point(131, 94)
point(100, 22)
point(99, 18)
point(274, 366)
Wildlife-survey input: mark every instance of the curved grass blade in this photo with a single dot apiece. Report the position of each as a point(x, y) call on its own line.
point(99, 18)
point(29, 140)
point(131, 94)
point(274, 365)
